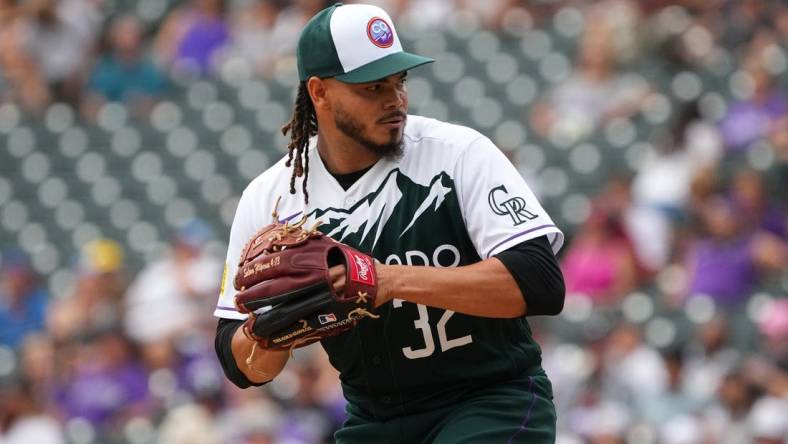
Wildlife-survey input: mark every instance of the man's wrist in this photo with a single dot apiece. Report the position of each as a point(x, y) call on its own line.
point(387, 277)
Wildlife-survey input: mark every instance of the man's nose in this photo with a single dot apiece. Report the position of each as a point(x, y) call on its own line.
point(396, 98)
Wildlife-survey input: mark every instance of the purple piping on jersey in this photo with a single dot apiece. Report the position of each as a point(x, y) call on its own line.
point(528, 413)
point(518, 235)
point(219, 307)
point(289, 217)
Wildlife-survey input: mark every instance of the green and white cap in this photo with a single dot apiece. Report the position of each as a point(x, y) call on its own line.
point(354, 44)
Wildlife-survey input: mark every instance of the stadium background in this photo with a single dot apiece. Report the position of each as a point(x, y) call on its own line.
point(654, 132)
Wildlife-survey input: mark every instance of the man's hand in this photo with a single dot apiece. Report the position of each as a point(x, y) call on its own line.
point(337, 274)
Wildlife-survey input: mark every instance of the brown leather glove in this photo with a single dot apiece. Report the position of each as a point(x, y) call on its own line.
point(283, 283)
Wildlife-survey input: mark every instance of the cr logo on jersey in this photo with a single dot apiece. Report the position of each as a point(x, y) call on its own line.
point(513, 206)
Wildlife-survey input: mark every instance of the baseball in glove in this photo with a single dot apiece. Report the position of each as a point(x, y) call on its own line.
point(286, 269)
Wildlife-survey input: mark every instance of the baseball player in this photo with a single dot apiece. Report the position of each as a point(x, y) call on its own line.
point(463, 250)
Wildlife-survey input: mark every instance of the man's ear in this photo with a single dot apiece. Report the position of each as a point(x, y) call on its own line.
point(318, 91)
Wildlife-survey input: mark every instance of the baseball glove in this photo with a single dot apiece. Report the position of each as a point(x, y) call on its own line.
point(285, 268)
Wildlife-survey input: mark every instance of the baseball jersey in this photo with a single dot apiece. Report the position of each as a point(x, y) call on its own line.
point(451, 199)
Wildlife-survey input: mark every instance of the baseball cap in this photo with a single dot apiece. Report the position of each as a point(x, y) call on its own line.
point(194, 233)
point(100, 256)
point(354, 44)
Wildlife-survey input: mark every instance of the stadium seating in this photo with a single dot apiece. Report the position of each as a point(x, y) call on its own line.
point(65, 181)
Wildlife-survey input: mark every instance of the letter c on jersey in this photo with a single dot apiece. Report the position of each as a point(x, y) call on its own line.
point(514, 206)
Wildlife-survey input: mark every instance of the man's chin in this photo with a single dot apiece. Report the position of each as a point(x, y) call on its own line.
point(392, 149)
point(385, 142)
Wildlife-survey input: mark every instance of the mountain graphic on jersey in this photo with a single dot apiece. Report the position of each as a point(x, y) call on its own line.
point(396, 215)
point(417, 220)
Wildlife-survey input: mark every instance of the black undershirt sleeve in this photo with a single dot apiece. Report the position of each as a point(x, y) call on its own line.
point(536, 271)
point(224, 350)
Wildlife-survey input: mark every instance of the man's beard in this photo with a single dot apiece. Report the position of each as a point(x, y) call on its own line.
point(353, 129)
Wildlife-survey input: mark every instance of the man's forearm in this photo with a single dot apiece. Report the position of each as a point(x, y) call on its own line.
point(260, 366)
point(484, 289)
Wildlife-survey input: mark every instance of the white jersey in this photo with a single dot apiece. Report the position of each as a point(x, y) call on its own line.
point(443, 165)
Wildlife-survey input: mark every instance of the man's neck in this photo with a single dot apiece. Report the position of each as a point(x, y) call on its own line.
point(342, 155)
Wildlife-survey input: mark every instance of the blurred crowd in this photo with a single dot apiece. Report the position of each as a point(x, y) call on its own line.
point(676, 323)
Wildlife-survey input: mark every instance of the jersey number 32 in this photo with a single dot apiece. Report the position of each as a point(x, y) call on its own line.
point(423, 324)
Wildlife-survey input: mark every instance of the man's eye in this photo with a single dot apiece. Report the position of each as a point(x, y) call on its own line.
point(373, 87)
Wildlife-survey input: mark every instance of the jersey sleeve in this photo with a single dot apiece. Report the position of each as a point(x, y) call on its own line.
point(242, 229)
point(499, 208)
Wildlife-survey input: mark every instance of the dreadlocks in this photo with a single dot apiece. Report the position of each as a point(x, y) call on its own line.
point(302, 126)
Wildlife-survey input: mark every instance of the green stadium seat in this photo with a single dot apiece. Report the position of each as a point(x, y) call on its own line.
point(123, 213)
point(21, 141)
point(486, 113)
point(568, 23)
point(6, 190)
point(253, 94)
point(235, 140)
point(536, 44)
point(468, 91)
point(218, 116)
point(252, 162)
point(509, 134)
point(105, 191)
point(686, 86)
point(200, 94)
point(585, 158)
point(435, 108)
point(530, 156)
point(14, 215)
point(200, 164)
point(429, 44)
point(448, 68)
point(125, 142)
point(91, 166)
point(555, 67)
point(166, 116)
point(271, 116)
point(69, 214)
point(215, 189)
point(181, 141)
point(52, 191)
point(619, 133)
point(112, 116)
point(73, 142)
point(10, 117)
point(235, 71)
point(502, 68)
point(35, 167)
point(575, 208)
point(483, 45)
point(463, 25)
point(522, 90)
point(59, 117)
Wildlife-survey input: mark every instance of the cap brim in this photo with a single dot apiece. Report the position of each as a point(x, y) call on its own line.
point(384, 67)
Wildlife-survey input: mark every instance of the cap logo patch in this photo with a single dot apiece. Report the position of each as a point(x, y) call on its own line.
point(380, 33)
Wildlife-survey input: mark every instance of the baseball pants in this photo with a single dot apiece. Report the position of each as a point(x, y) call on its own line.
point(516, 412)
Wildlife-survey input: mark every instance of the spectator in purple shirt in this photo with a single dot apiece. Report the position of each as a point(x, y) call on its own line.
point(724, 263)
point(755, 117)
point(107, 384)
point(192, 36)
